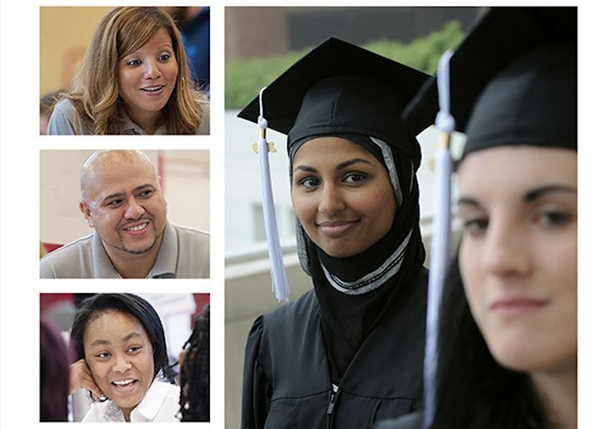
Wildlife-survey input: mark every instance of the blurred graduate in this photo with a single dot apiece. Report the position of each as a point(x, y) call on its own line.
point(507, 339)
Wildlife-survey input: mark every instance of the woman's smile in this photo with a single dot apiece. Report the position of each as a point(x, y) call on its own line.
point(516, 306)
point(124, 386)
point(337, 228)
point(153, 91)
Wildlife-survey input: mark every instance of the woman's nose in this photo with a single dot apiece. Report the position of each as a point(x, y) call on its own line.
point(331, 200)
point(506, 251)
point(151, 69)
point(121, 364)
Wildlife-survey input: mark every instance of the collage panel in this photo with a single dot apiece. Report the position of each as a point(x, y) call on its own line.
point(124, 357)
point(125, 70)
point(420, 267)
point(270, 71)
point(125, 214)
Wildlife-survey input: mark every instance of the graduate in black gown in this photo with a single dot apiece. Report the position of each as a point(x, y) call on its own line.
point(349, 352)
point(508, 321)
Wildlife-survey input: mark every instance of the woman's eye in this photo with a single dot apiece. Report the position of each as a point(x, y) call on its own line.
point(308, 182)
point(554, 218)
point(103, 355)
point(165, 57)
point(133, 63)
point(475, 226)
point(354, 177)
point(134, 349)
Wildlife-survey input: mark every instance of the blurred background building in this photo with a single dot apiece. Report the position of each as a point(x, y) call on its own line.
point(262, 31)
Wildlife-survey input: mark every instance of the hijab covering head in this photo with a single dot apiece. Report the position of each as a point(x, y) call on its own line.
point(339, 89)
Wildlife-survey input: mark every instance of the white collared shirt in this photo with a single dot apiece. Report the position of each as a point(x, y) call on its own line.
point(160, 404)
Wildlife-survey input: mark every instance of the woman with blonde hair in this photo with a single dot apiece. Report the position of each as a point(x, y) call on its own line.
point(133, 79)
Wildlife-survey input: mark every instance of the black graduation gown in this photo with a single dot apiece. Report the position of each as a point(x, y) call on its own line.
point(286, 375)
point(407, 421)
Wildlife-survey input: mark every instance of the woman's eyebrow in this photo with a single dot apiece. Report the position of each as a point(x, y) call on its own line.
point(350, 162)
point(339, 167)
point(305, 168)
point(547, 189)
point(467, 201)
point(131, 336)
point(528, 197)
point(100, 343)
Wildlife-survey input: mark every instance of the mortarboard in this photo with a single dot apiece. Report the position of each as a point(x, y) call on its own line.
point(336, 88)
point(512, 80)
point(340, 87)
point(500, 39)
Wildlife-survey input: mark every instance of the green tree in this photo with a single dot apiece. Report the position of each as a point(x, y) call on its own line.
point(245, 78)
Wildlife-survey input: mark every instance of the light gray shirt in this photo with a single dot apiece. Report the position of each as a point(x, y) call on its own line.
point(183, 254)
point(62, 122)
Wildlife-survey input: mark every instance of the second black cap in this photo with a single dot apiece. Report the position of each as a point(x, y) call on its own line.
point(522, 47)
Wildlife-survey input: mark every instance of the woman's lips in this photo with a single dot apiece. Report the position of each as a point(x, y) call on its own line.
point(335, 229)
point(124, 386)
point(516, 306)
point(153, 91)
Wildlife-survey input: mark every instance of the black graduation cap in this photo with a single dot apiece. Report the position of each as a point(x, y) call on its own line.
point(513, 78)
point(341, 88)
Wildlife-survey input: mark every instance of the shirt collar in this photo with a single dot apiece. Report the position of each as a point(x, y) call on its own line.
point(147, 409)
point(151, 402)
point(166, 262)
point(127, 126)
point(101, 264)
point(164, 267)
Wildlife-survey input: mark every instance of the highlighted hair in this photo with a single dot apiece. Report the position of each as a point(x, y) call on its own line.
point(96, 93)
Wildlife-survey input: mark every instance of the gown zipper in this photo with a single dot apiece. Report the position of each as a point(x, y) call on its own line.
point(332, 398)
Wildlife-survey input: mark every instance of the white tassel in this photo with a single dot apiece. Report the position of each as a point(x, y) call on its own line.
point(440, 241)
point(278, 274)
point(445, 122)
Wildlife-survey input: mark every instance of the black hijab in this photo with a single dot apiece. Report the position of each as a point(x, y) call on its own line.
point(354, 292)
